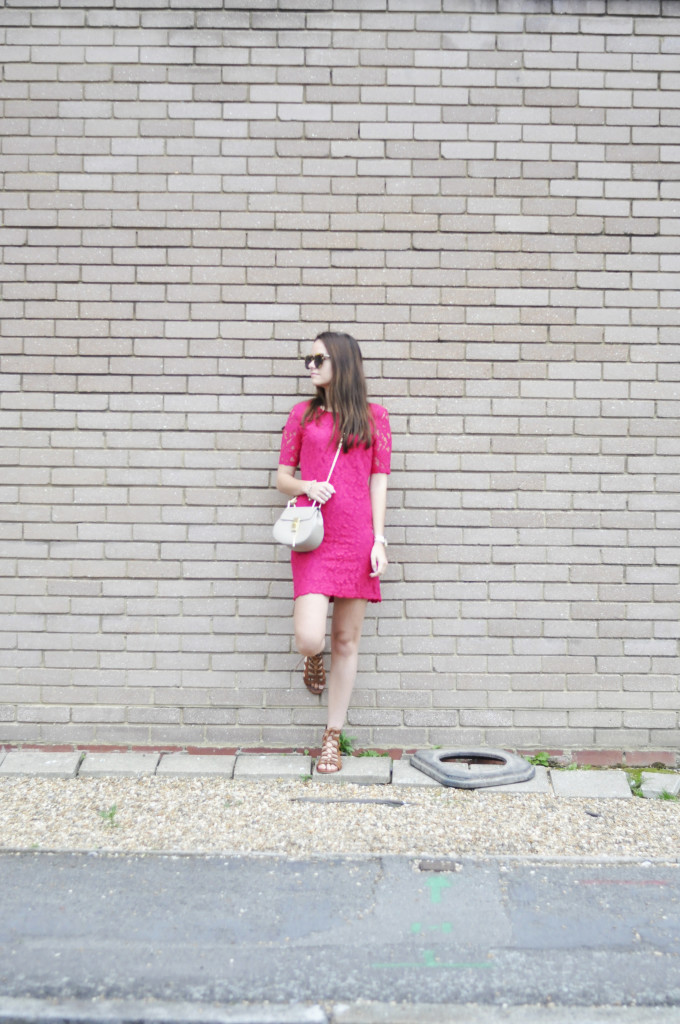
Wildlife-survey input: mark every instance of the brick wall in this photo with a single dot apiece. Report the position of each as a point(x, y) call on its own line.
point(486, 193)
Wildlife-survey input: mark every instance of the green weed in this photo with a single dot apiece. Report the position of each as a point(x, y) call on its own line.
point(347, 744)
point(635, 780)
point(109, 817)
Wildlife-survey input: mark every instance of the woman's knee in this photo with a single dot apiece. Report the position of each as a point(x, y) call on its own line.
point(345, 644)
point(309, 642)
point(309, 622)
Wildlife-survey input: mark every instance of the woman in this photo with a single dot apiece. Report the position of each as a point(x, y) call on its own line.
point(347, 566)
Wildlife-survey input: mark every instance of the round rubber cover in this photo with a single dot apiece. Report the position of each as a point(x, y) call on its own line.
point(473, 769)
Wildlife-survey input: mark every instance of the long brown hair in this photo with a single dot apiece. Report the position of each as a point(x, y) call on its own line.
point(346, 392)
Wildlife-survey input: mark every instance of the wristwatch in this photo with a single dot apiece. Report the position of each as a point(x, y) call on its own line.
point(379, 537)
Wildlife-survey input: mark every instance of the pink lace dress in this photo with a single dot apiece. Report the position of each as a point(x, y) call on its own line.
point(341, 566)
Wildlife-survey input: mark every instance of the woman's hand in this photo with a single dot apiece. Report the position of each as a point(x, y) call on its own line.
point(378, 559)
point(320, 492)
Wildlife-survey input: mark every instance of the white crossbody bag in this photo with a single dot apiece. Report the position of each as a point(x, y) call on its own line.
point(302, 528)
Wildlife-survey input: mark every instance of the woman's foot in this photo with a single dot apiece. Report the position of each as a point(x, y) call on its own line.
point(314, 674)
point(329, 759)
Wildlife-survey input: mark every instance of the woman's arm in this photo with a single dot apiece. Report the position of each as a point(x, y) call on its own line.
point(288, 484)
point(378, 492)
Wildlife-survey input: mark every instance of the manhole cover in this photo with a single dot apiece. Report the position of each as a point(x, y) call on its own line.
point(473, 769)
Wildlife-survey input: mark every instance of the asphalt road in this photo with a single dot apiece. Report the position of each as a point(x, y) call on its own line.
point(387, 928)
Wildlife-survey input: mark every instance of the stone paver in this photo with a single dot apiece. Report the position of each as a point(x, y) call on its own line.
point(272, 766)
point(539, 784)
point(369, 771)
point(41, 763)
point(362, 771)
point(595, 784)
point(197, 764)
point(404, 774)
point(98, 765)
point(655, 783)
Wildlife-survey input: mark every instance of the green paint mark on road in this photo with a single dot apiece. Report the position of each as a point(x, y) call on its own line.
point(436, 885)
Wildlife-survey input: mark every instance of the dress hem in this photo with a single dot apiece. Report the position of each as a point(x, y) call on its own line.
point(341, 597)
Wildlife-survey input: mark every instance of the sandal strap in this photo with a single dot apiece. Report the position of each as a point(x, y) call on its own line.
point(314, 673)
point(330, 750)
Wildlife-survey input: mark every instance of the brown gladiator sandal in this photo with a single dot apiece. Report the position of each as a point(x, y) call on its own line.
point(329, 759)
point(314, 674)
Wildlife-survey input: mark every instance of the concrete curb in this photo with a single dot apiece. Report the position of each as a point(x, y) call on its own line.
point(258, 767)
point(363, 771)
point(655, 785)
point(358, 858)
point(539, 784)
point(191, 765)
point(607, 783)
point(122, 1011)
point(428, 1013)
point(134, 764)
point(42, 764)
point(612, 784)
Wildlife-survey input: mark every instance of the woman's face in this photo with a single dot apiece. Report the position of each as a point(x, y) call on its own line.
point(321, 378)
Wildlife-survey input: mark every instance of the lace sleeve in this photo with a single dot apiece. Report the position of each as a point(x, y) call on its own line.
point(291, 440)
point(382, 441)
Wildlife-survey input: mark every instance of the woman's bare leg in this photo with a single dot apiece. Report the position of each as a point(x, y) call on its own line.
point(309, 619)
point(348, 620)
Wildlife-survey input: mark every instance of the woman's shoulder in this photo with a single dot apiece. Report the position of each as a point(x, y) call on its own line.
point(379, 412)
point(298, 410)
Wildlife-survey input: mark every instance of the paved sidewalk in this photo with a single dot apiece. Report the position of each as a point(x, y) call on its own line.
point(562, 783)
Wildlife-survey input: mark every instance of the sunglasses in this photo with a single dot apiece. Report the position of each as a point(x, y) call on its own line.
point(318, 361)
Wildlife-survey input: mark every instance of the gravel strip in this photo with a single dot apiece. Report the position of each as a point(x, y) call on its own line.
point(205, 815)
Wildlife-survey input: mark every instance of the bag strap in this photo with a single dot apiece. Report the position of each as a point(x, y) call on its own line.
point(330, 474)
point(315, 504)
